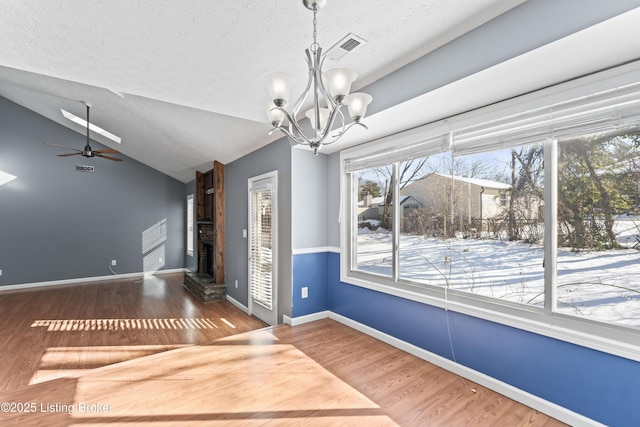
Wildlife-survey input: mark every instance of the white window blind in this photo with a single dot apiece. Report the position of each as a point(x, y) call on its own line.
point(406, 145)
point(607, 111)
point(261, 247)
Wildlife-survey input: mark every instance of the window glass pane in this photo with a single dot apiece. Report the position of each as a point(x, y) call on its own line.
point(425, 217)
point(479, 227)
point(599, 227)
point(373, 243)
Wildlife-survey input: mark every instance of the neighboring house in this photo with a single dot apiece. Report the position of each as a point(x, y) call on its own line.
point(373, 207)
point(370, 208)
point(479, 204)
point(474, 198)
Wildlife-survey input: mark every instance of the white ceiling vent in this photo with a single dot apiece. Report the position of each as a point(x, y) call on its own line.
point(347, 44)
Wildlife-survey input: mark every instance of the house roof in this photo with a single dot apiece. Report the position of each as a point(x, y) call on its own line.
point(487, 183)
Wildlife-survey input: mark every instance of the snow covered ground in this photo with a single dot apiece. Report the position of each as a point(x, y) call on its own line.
point(597, 285)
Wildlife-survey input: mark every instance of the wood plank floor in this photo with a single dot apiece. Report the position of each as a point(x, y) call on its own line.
point(63, 331)
point(318, 374)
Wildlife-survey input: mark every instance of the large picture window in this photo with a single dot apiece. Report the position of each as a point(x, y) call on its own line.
point(530, 208)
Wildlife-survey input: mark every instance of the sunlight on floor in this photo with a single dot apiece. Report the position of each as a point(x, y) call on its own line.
point(71, 362)
point(71, 325)
point(225, 321)
point(228, 381)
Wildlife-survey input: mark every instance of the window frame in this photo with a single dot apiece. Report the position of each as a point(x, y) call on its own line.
point(607, 337)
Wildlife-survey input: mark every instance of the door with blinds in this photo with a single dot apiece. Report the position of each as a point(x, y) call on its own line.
point(263, 247)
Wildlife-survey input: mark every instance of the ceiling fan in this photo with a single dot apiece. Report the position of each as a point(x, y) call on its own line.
point(88, 151)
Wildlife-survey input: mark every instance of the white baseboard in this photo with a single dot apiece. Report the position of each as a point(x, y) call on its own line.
point(294, 321)
point(237, 304)
point(556, 411)
point(87, 280)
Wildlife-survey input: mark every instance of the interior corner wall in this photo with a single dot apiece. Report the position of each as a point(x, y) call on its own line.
point(59, 224)
point(309, 231)
point(308, 193)
point(275, 156)
point(191, 261)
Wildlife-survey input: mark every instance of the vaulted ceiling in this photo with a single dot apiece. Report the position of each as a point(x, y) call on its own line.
point(181, 81)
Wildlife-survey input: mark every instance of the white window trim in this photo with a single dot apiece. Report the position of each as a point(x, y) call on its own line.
point(610, 338)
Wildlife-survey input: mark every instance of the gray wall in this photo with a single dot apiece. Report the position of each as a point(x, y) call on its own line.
point(275, 156)
point(56, 223)
point(308, 199)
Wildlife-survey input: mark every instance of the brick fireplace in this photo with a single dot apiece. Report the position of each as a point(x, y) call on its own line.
point(206, 244)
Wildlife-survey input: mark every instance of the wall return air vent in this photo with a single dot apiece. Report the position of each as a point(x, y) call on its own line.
point(347, 44)
point(82, 168)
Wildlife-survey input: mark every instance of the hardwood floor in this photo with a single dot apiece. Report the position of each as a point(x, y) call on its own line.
point(318, 374)
point(65, 330)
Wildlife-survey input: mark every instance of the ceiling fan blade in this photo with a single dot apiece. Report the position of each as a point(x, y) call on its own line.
point(109, 150)
point(62, 146)
point(67, 155)
point(115, 159)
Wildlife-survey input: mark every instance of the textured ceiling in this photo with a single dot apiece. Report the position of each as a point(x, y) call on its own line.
point(191, 71)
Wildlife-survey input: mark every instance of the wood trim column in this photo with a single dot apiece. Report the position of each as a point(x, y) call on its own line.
point(218, 221)
point(200, 196)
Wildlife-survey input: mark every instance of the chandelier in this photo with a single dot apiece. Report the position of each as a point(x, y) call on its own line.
point(329, 91)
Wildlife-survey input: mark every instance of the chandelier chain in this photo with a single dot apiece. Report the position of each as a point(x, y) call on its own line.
point(314, 45)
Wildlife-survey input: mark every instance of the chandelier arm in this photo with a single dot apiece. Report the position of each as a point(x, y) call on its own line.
point(342, 131)
point(291, 136)
point(329, 125)
point(347, 129)
point(323, 90)
point(294, 131)
point(305, 92)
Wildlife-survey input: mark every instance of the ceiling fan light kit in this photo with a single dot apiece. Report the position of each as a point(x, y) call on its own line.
point(330, 92)
point(88, 152)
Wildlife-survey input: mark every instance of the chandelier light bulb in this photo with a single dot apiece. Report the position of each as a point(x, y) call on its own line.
point(357, 104)
point(339, 81)
point(279, 86)
point(324, 116)
point(274, 115)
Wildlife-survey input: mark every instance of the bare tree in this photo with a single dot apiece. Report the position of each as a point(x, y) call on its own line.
point(410, 171)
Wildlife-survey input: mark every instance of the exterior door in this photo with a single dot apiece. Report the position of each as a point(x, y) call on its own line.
point(263, 247)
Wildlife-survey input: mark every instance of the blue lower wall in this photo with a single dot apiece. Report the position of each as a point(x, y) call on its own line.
point(309, 270)
point(598, 385)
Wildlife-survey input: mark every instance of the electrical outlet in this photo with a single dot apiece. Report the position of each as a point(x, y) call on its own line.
point(244, 233)
point(1, 275)
point(305, 292)
point(113, 262)
point(160, 260)
point(236, 282)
